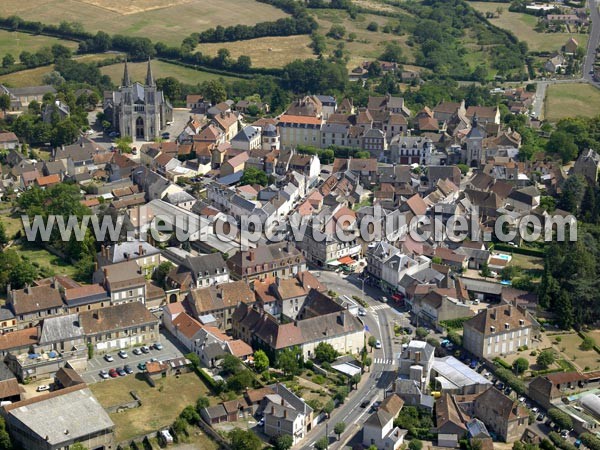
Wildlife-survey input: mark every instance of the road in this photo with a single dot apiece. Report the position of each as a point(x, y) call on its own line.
point(593, 42)
point(537, 108)
point(379, 321)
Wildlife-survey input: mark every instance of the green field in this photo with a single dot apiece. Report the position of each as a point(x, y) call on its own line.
point(160, 69)
point(43, 258)
point(522, 25)
point(14, 43)
point(169, 21)
point(570, 100)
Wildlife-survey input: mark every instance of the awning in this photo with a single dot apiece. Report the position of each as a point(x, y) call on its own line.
point(346, 260)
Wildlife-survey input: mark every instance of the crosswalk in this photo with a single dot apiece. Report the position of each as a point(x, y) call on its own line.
point(385, 361)
point(379, 307)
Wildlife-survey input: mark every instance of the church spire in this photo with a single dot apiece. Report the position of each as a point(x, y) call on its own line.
point(149, 77)
point(126, 80)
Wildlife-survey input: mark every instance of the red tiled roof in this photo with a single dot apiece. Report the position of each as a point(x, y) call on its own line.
point(300, 119)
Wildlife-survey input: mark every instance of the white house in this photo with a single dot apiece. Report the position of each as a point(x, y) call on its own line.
point(379, 428)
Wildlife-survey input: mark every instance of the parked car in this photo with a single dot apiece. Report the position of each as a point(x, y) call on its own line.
point(535, 410)
point(153, 360)
point(522, 399)
point(158, 346)
point(109, 358)
point(127, 369)
point(121, 372)
point(384, 299)
point(165, 437)
point(261, 422)
point(42, 388)
point(376, 405)
point(123, 354)
point(364, 404)
point(564, 434)
point(142, 366)
point(103, 374)
point(507, 391)
point(362, 312)
point(137, 351)
point(540, 417)
point(145, 349)
point(113, 373)
point(378, 344)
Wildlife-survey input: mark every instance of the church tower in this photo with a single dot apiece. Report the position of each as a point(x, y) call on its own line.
point(475, 138)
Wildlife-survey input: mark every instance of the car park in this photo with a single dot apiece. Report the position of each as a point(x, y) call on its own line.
point(109, 358)
point(104, 374)
point(123, 354)
point(42, 388)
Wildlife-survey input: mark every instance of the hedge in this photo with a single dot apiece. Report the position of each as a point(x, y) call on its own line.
point(511, 380)
point(590, 441)
point(502, 363)
point(454, 324)
point(519, 250)
point(560, 442)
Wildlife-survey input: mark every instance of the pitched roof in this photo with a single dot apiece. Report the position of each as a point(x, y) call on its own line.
point(116, 317)
point(10, 388)
point(35, 298)
point(186, 325)
point(19, 339)
point(307, 120)
point(222, 296)
point(494, 320)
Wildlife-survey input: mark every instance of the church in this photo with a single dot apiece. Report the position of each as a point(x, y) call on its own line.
point(138, 110)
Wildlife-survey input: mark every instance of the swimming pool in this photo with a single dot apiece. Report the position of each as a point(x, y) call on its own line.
point(503, 256)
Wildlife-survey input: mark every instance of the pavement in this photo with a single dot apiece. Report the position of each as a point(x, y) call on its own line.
point(379, 321)
point(97, 363)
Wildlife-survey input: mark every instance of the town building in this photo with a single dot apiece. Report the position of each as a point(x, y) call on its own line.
point(282, 260)
point(379, 429)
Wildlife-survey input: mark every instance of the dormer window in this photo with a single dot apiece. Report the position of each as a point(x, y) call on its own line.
point(507, 326)
point(521, 322)
point(492, 329)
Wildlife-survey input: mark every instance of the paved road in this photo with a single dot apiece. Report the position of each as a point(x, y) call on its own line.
point(538, 102)
point(593, 42)
point(379, 320)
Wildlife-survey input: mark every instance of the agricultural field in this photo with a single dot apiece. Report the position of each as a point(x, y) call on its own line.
point(569, 100)
point(13, 43)
point(160, 405)
point(368, 45)
point(169, 21)
point(269, 52)
point(522, 25)
point(160, 69)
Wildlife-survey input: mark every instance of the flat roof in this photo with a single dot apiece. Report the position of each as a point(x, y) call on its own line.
point(347, 368)
point(65, 417)
point(457, 373)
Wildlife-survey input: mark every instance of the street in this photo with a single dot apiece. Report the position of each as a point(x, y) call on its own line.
point(593, 42)
point(379, 321)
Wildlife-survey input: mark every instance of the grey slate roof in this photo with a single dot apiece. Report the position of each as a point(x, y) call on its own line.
point(62, 328)
point(206, 263)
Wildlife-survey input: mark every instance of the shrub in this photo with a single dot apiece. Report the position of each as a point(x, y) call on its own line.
point(546, 358)
point(590, 441)
point(562, 419)
point(587, 343)
point(373, 26)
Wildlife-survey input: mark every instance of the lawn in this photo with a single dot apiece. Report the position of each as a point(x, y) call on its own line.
point(522, 25)
point(43, 258)
point(160, 69)
point(169, 21)
point(265, 52)
point(570, 100)
point(12, 224)
point(12, 42)
point(368, 45)
point(569, 348)
point(160, 405)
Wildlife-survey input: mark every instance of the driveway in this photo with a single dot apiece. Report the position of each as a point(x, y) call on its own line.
point(97, 363)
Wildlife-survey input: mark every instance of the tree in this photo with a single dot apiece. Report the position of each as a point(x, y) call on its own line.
point(4, 102)
point(8, 60)
point(520, 366)
point(328, 407)
point(415, 444)
point(202, 402)
point(3, 235)
point(244, 440)
point(288, 361)
point(393, 53)
point(587, 343)
point(190, 415)
point(373, 26)
point(284, 442)
point(214, 91)
point(355, 379)
point(337, 32)
point(325, 352)
point(421, 332)
point(261, 361)
point(322, 444)
point(161, 272)
point(124, 144)
point(562, 419)
point(372, 342)
point(485, 270)
point(341, 394)
point(339, 429)
point(464, 169)
point(546, 358)
point(240, 381)
point(243, 63)
point(252, 175)
point(231, 364)
point(367, 362)
point(170, 86)
point(563, 144)
point(5, 442)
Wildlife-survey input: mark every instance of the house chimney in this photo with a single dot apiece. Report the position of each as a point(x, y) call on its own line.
point(417, 357)
point(509, 310)
point(96, 266)
point(343, 317)
point(251, 255)
point(102, 250)
point(105, 270)
point(272, 409)
point(285, 413)
point(28, 289)
point(141, 249)
point(282, 402)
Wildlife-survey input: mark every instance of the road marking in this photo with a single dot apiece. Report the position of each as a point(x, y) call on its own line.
point(385, 361)
point(378, 307)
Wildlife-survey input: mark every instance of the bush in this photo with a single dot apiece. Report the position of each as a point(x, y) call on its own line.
point(590, 441)
point(587, 343)
point(415, 444)
point(421, 332)
point(546, 358)
point(373, 26)
point(520, 365)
